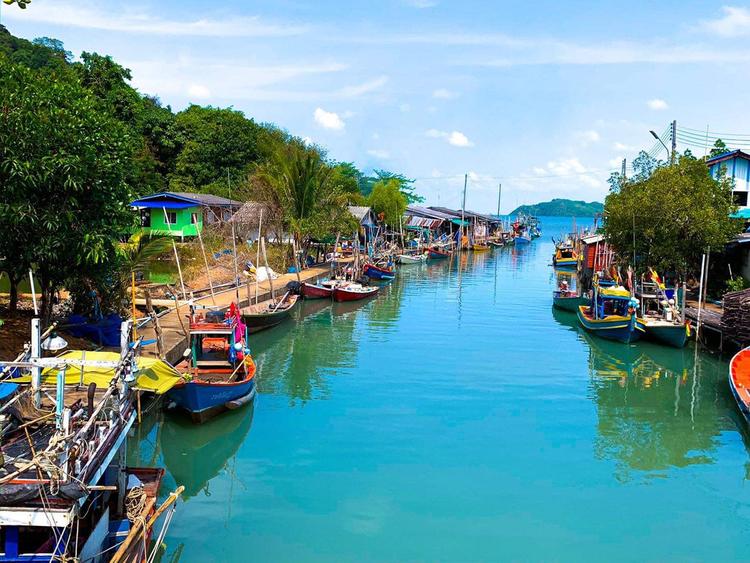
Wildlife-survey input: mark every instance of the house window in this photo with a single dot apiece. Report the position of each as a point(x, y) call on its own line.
point(194, 218)
point(145, 218)
point(171, 218)
point(740, 198)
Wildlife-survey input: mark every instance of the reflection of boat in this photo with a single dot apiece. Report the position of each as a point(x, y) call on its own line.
point(353, 292)
point(221, 370)
point(378, 273)
point(739, 381)
point(611, 315)
point(196, 454)
point(316, 291)
point(269, 313)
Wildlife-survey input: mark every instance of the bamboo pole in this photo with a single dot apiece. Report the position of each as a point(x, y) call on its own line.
point(132, 298)
point(205, 261)
point(176, 256)
point(296, 261)
point(257, 254)
point(268, 270)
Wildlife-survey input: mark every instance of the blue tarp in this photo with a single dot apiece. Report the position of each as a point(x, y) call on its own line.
point(741, 214)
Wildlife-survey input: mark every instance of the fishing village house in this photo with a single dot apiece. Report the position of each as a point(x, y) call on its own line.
point(182, 214)
point(426, 220)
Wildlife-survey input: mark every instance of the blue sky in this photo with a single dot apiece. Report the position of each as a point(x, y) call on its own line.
point(546, 97)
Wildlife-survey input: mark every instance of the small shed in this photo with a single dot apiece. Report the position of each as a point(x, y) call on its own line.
point(736, 165)
point(364, 215)
point(182, 214)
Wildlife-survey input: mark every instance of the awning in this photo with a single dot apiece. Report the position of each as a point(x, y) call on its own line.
point(460, 223)
point(741, 214)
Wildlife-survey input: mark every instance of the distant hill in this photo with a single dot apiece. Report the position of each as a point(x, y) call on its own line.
point(561, 208)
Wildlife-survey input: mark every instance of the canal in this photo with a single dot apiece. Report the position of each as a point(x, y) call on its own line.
point(457, 417)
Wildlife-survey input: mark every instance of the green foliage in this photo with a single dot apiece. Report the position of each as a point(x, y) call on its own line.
point(213, 141)
point(21, 3)
point(677, 212)
point(737, 283)
point(561, 208)
point(406, 185)
point(718, 148)
point(63, 168)
point(300, 184)
point(33, 54)
point(388, 200)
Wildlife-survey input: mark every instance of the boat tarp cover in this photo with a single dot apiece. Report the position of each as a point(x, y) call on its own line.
point(156, 376)
point(617, 291)
point(460, 223)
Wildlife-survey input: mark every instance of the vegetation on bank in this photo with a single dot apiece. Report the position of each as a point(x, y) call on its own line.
point(668, 214)
point(78, 143)
point(561, 208)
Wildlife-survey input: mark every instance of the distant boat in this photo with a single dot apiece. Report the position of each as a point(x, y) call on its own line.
point(353, 292)
point(611, 315)
point(268, 313)
point(565, 258)
point(221, 370)
point(437, 254)
point(568, 300)
point(739, 381)
point(522, 239)
point(317, 291)
point(405, 259)
point(378, 273)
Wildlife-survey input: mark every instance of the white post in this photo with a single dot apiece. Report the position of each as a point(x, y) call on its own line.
point(60, 397)
point(176, 256)
point(36, 352)
point(33, 292)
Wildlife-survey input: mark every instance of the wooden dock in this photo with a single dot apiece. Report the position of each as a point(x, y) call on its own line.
point(174, 338)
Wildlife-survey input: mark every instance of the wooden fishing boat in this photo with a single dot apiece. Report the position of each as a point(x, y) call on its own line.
point(611, 315)
point(522, 239)
point(221, 372)
point(377, 273)
point(497, 243)
point(353, 292)
point(405, 259)
point(671, 333)
point(269, 313)
point(565, 258)
point(569, 300)
point(739, 381)
point(316, 291)
point(661, 319)
point(437, 254)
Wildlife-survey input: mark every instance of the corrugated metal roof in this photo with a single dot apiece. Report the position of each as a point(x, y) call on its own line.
point(592, 239)
point(189, 197)
point(358, 211)
point(417, 211)
point(727, 156)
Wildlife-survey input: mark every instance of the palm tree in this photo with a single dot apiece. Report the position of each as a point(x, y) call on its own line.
point(139, 252)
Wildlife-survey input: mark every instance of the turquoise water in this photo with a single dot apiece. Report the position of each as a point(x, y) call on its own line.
point(458, 418)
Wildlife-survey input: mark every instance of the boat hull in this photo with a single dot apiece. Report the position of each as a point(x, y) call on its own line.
point(569, 304)
point(739, 381)
point(566, 264)
point(378, 273)
point(341, 294)
point(204, 400)
point(522, 240)
point(675, 336)
point(438, 254)
point(619, 329)
point(312, 291)
point(405, 259)
point(256, 322)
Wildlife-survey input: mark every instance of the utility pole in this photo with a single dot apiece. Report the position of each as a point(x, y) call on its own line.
point(463, 211)
point(499, 193)
point(674, 142)
point(624, 166)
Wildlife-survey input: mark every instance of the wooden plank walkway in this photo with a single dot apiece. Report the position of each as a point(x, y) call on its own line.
point(173, 336)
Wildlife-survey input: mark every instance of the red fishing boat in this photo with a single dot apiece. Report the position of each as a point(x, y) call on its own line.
point(317, 291)
point(739, 381)
point(353, 292)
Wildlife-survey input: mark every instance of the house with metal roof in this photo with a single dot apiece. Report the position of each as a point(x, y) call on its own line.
point(182, 214)
point(736, 166)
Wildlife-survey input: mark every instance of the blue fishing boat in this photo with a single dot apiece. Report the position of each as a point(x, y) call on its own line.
point(377, 273)
point(612, 315)
point(221, 371)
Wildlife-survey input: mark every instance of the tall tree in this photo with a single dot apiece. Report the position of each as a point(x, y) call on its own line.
point(388, 201)
point(671, 217)
point(63, 168)
point(719, 148)
point(406, 185)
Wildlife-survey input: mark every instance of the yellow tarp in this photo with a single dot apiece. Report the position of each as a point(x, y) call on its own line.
point(616, 291)
point(153, 375)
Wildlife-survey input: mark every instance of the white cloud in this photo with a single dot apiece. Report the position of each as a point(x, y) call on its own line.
point(364, 88)
point(623, 147)
point(198, 92)
point(455, 138)
point(77, 14)
point(566, 166)
point(444, 94)
point(657, 104)
point(734, 23)
point(379, 153)
point(328, 119)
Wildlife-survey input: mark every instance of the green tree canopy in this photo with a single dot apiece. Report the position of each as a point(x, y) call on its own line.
point(406, 185)
point(671, 217)
point(63, 169)
point(388, 199)
point(719, 148)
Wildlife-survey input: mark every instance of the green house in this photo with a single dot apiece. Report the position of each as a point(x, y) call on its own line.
point(182, 214)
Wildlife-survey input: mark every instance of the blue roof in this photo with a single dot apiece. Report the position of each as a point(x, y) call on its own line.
point(182, 200)
point(727, 156)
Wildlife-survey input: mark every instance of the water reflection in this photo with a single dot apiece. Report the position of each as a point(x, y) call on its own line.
point(657, 407)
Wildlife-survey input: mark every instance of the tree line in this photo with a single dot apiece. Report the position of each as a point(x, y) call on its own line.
point(78, 143)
